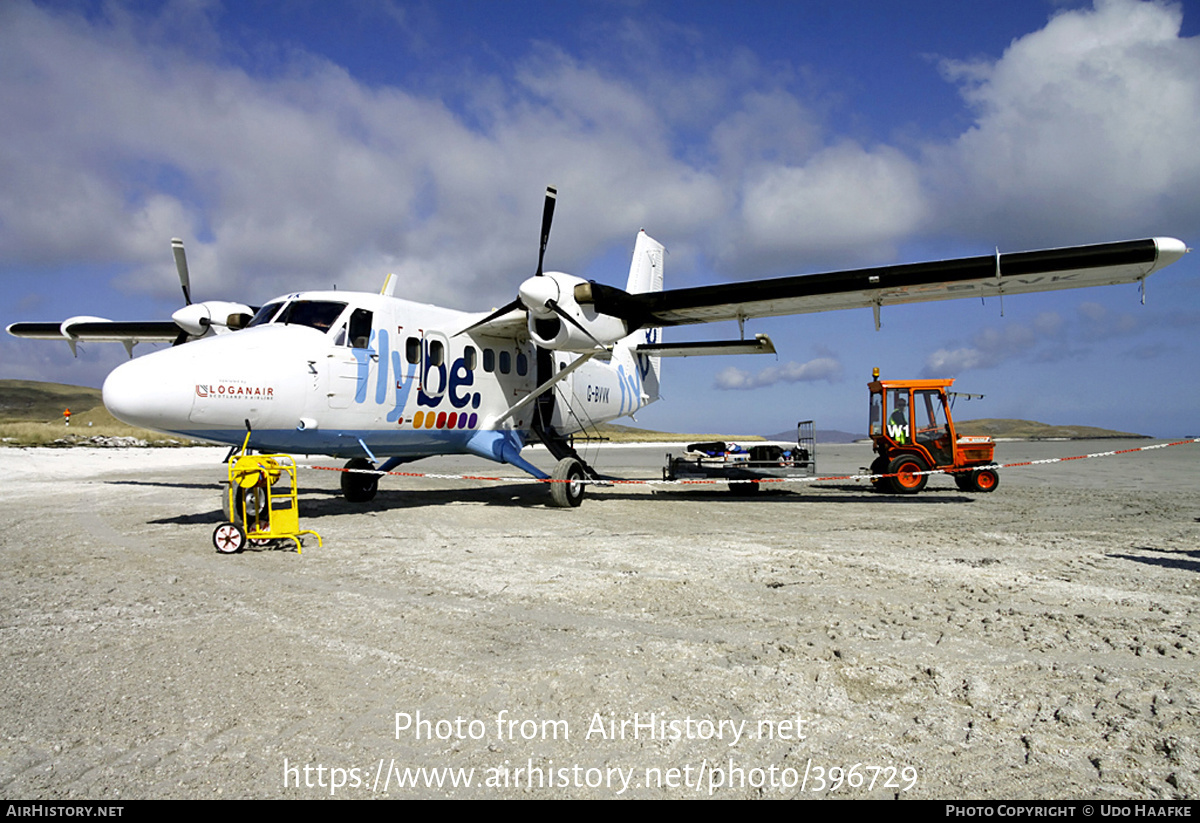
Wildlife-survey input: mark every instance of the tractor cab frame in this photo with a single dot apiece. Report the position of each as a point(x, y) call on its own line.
point(912, 430)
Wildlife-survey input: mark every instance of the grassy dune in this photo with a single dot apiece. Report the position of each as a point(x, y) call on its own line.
point(1031, 430)
point(31, 414)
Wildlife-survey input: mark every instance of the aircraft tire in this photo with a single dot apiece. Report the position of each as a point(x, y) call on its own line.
point(359, 488)
point(906, 480)
point(985, 480)
point(567, 489)
point(228, 538)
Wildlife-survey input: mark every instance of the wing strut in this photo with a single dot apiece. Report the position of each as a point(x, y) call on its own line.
point(540, 390)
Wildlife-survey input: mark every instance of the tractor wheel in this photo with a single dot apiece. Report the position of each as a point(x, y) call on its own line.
point(985, 480)
point(907, 480)
point(566, 490)
point(357, 487)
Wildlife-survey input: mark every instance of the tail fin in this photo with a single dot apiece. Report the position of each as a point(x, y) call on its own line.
point(646, 268)
point(645, 275)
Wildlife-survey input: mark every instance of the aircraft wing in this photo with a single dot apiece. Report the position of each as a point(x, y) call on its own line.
point(107, 331)
point(1010, 273)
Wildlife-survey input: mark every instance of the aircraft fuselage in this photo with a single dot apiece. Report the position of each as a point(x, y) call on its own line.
point(354, 374)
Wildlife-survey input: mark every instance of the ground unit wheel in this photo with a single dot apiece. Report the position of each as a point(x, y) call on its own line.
point(746, 488)
point(358, 487)
point(879, 466)
point(965, 481)
point(906, 479)
point(228, 538)
point(567, 489)
point(985, 480)
point(246, 501)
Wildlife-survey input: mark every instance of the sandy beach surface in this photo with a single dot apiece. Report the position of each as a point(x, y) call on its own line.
point(463, 639)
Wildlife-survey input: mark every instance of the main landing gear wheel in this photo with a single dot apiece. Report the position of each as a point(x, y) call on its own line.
point(228, 538)
point(907, 479)
point(566, 490)
point(357, 487)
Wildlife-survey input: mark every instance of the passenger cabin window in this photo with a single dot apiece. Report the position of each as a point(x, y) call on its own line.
point(505, 362)
point(437, 353)
point(489, 360)
point(469, 358)
point(412, 350)
point(522, 364)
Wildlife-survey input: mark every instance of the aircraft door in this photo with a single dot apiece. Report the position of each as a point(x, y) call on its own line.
point(435, 368)
point(353, 361)
point(930, 417)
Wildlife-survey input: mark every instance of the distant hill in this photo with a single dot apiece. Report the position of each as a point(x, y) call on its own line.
point(998, 428)
point(1031, 430)
point(31, 414)
point(30, 400)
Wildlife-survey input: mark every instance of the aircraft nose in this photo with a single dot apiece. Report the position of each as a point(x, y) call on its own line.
point(143, 392)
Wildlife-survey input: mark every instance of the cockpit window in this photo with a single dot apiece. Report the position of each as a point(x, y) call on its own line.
point(265, 314)
point(317, 314)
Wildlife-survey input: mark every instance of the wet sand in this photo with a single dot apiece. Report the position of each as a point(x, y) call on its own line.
point(814, 640)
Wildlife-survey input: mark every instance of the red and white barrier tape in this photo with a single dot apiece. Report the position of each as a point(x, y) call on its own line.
point(716, 481)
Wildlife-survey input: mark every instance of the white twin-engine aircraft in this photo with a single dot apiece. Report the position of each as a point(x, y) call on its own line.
point(373, 377)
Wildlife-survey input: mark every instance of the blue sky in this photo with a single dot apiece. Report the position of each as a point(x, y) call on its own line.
point(300, 145)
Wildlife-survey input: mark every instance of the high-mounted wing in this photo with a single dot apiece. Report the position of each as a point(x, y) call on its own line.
point(109, 331)
point(999, 274)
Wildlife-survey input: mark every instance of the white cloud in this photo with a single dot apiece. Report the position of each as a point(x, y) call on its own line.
point(827, 367)
point(113, 143)
point(114, 138)
point(845, 199)
point(1085, 128)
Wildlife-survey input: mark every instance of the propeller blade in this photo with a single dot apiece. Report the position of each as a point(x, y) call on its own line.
point(547, 219)
point(500, 312)
point(557, 309)
point(181, 267)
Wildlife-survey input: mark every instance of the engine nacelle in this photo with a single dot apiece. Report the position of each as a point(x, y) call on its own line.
point(219, 315)
point(551, 330)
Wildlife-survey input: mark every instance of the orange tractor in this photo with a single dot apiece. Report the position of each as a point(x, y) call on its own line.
point(912, 430)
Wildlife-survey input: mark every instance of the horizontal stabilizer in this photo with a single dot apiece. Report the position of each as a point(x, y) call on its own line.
point(761, 344)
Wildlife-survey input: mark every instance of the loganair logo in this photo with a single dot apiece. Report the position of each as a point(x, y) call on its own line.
point(234, 391)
